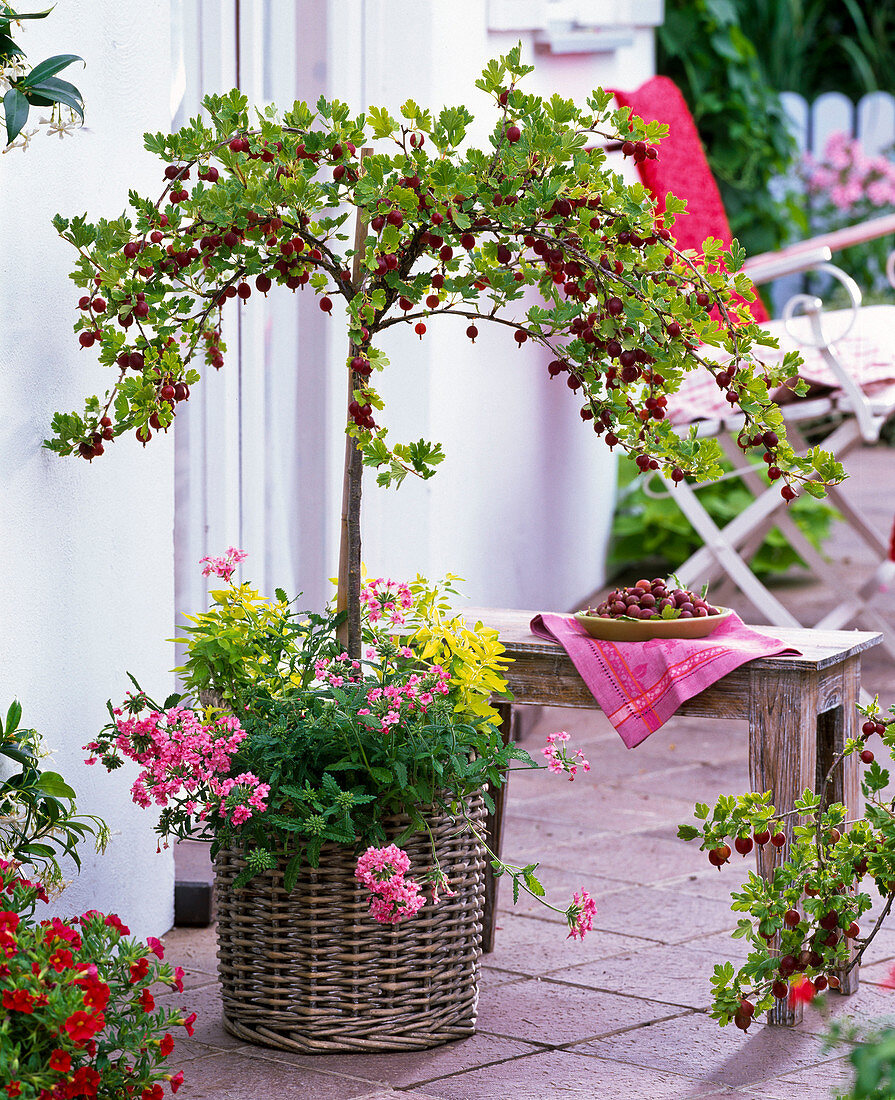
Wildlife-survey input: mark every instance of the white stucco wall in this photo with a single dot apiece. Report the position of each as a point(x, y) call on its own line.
point(86, 551)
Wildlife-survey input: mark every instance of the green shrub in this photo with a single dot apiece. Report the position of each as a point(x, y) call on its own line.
point(650, 533)
point(704, 48)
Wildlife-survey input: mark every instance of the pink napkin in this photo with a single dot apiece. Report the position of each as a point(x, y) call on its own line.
point(639, 685)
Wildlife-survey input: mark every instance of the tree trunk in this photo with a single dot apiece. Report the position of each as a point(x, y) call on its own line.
point(348, 592)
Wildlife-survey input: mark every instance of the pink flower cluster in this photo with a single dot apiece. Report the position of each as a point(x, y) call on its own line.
point(223, 566)
point(181, 755)
point(386, 599)
point(382, 871)
point(393, 702)
point(558, 760)
point(240, 796)
point(580, 915)
point(847, 177)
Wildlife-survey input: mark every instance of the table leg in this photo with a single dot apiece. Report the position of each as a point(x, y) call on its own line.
point(494, 833)
point(834, 727)
point(783, 734)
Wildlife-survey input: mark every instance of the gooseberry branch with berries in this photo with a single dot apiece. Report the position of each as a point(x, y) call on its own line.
point(441, 230)
point(802, 924)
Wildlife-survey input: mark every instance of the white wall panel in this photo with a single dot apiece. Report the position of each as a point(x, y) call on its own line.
point(522, 504)
point(86, 551)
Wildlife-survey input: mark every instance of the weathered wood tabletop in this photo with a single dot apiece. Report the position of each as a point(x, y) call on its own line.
point(800, 709)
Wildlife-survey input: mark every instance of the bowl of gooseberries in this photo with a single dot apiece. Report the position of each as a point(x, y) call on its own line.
point(652, 609)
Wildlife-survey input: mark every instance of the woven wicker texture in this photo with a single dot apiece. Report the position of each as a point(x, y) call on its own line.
point(311, 971)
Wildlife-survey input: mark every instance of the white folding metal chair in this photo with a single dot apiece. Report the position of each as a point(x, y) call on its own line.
point(860, 396)
point(849, 354)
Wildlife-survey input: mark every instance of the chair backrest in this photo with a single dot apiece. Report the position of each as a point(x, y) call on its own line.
point(682, 169)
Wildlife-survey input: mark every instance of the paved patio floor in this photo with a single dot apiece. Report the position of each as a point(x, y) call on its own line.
point(621, 1014)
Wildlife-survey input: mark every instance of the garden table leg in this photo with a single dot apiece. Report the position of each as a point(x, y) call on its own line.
point(783, 735)
point(834, 727)
point(494, 833)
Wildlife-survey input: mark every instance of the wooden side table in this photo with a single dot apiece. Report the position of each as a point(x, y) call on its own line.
point(800, 710)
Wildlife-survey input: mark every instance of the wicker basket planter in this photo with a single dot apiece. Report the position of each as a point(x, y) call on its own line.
point(312, 972)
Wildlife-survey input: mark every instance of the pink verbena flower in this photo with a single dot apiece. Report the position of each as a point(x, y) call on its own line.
point(396, 901)
point(240, 796)
point(384, 600)
point(558, 759)
point(378, 865)
point(440, 885)
point(382, 871)
point(580, 915)
point(223, 566)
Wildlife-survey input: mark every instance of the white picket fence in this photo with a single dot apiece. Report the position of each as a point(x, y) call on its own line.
point(872, 119)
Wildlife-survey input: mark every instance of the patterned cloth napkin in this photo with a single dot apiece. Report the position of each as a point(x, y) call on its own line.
point(639, 685)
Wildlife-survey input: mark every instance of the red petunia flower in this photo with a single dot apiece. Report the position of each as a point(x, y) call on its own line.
point(96, 994)
point(14, 1088)
point(139, 969)
point(114, 922)
point(188, 1023)
point(166, 1044)
point(178, 979)
point(58, 930)
point(176, 1081)
point(18, 1000)
point(147, 1000)
point(61, 959)
point(81, 1026)
point(60, 1060)
point(85, 1081)
point(156, 946)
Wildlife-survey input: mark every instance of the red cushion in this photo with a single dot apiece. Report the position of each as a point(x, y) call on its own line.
point(682, 169)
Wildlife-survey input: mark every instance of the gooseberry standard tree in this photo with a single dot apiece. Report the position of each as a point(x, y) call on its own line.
point(440, 231)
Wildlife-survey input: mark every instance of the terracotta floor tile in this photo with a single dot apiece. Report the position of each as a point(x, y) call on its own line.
point(416, 1067)
point(391, 1095)
point(606, 806)
point(721, 946)
point(234, 1076)
point(661, 916)
point(870, 1004)
point(638, 860)
point(558, 1075)
point(555, 1013)
point(206, 1003)
point(188, 1050)
point(536, 946)
point(491, 976)
point(670, 975)
point(698, 782)
point(560, 883)
point(817, 1083)
point(714, 883)
point(724, 1057)
point(195, 949)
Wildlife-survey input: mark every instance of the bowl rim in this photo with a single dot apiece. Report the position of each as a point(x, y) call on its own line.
point(723, 613)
